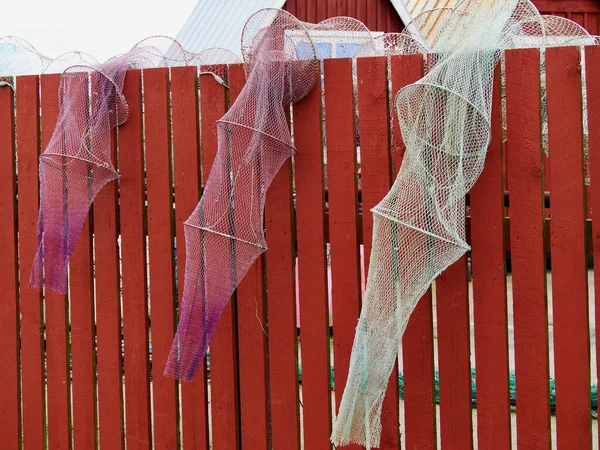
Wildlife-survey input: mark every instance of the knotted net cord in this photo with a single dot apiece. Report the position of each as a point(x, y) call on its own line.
point(419, 227)
point(77, 162)
point(225, 235)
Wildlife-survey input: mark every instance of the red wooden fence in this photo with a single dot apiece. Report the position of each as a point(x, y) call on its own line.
point(84, 370)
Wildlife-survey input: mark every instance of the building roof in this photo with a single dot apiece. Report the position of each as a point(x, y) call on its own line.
point(219, 23)
point(416, 7)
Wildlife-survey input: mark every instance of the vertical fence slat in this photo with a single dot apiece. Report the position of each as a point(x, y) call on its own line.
point(281, 310)
point(417, 342)
point(108, 313)
point(160, 247)
point(32, 362)
point(592, 65)
point(567, 240)
point(138, 432)
point(524, 163)
point(375, 183)
point(417, 360)
point(452, 306)
point(81, 300)
point(254, 424)
point(489, 293)
point(82, 340)
point(343, 215)
point(223, 346)
point(10, 403)
point(252, 329)
point(312, 271)
point(194, 395)
point(56, 306)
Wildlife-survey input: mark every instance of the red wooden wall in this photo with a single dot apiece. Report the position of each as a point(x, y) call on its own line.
point(380, 15)
point(377, 15)
point(585, 12)
point(85, 370)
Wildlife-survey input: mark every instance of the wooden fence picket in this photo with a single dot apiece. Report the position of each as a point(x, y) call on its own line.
point(138, 429)
point(524, 162)
point(312, 271)
point(490, 311)
point(10, 411)
point(567, 241)
point(56, 308)
point(186, 169)
point(98, 353)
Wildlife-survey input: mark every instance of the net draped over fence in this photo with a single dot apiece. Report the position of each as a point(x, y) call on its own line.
point(77, 161)
point(419, 227)
point(224, 234)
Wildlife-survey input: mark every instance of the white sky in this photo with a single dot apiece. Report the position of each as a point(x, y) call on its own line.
point(102, 28)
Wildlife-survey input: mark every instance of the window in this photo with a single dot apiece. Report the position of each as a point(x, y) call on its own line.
point(328, 44)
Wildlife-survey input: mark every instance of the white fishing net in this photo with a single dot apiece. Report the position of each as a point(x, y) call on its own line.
point(419, 227)
point(19, 57)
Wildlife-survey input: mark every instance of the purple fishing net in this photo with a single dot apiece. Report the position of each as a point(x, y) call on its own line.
point(225, 235)
point(77, 162)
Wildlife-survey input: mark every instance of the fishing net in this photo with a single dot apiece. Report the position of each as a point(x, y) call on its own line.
point(419, 227)
point(19, 57)
point(225, 235)
point(77, 161)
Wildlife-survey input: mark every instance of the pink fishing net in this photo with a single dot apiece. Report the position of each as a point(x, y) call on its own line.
point(77, 161)
point(225, 235)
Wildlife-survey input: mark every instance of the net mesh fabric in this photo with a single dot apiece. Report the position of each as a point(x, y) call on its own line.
point(77, 161)
point(225, 235)
point(419, 227)
point(19, 57)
